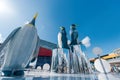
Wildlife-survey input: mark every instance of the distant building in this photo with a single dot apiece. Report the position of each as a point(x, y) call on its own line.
point(112, 58)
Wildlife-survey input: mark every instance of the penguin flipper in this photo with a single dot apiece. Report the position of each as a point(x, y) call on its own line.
point(3, 47)
point(35, 54)
point(9, 37)
point(60, 40)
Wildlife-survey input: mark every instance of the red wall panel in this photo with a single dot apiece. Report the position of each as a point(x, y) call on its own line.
point(44, 52)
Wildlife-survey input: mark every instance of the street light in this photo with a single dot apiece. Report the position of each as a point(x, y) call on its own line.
point(98, 51)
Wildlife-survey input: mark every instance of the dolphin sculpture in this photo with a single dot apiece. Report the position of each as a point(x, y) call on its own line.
point(21, 47)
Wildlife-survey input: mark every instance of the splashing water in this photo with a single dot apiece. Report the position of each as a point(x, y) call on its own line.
point(66, 61)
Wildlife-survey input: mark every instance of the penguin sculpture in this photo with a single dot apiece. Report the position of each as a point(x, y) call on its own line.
point(62, 51)
point(62, 38)
point(21, 47)
point(73, 36)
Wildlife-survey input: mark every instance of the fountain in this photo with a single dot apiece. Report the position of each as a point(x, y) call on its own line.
point(69, 58)
point(66, 61)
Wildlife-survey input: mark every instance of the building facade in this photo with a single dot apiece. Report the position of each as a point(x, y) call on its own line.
point(45, 53)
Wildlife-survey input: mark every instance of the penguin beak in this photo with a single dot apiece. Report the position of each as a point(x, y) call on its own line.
point(61, 28)
point(35, 16)
point(75, 25)
point(33, 20)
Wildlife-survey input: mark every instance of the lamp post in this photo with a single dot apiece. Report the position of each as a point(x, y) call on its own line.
point(98, 51)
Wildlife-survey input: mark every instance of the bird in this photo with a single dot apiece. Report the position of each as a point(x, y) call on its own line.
point(62, 38)
point(21, 47)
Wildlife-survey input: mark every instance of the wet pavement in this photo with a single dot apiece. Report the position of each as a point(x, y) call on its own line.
point(53, 76)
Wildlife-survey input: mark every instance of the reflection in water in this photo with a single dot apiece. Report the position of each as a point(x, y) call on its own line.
point(16, 78)
point(24, 78)
point(67, 77)
point(11, 78)
point(103, 77)
point(40, 78)
point(70, 78)
point(61, 77)
point(107, 77)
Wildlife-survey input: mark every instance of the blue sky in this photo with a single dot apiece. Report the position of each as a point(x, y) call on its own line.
point(98, 19)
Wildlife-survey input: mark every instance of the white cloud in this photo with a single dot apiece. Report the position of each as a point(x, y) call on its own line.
point(1, 39)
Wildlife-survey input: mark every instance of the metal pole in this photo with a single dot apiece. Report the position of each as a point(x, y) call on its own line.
point(102, 64)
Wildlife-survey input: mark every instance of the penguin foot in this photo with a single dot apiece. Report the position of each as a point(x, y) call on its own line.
point(7, 73)
point(18, 73)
